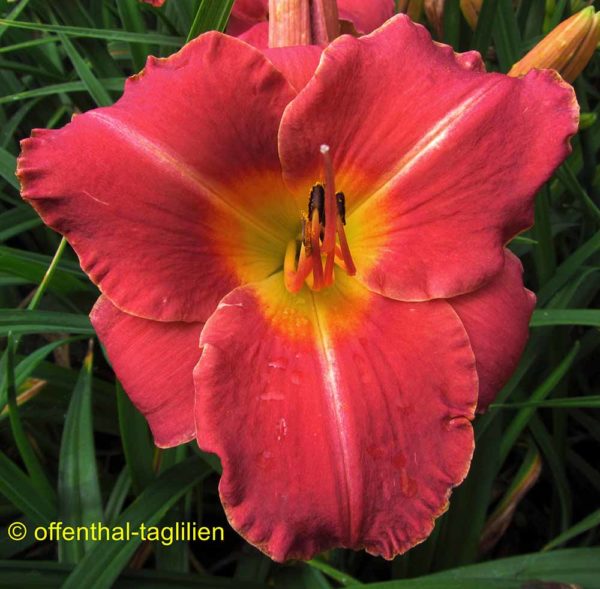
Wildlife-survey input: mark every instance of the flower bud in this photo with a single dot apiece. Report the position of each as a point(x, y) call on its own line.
point(471, 10)
point(325, 21)
point(434, 10)
point(567, 49)
point(302, 22)
point(413, 8)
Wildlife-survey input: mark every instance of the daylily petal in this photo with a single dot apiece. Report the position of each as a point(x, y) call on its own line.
point(341, 418)
point(496, 318)
point(297, 64)
point(257, 35)
point(173, 196)
point(154, 362)
point(439, 169)
point(245, 14)
point(365, 16)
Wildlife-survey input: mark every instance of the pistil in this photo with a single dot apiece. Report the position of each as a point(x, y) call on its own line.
point(330, 206)
point(316, 250)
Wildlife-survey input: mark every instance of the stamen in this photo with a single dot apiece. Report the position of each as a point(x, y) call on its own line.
point(294, 278)
point(340, 200)
point(321, 229)
point(330, 201)
point(340, 257)
point(306, 234)
point(346, 255)
point(289, 265)
point(316, 202)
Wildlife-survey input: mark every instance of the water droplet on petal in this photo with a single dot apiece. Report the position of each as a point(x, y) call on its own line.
point(264, 459)
point(281, 429)
point(280, 363)
point(272, 396)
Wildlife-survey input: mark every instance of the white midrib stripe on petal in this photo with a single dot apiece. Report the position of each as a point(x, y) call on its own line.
point(431, 141)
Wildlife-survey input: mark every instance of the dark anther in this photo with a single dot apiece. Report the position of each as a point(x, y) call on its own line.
point(317, 201)
point(306, 235)
point(340, 200)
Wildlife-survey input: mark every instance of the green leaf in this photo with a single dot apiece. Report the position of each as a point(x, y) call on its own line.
point(552, 456)
point(8, 165)
point(36, 574)
point(9, 131)
point(16, 221)
point(507, 38)
point(485, 22)
point(102, 565)
point(22, 441)
point(28, 45)
point(458, 544)
point(17, 487)
point(544, 254)
point(568, 268)
point(522, 418)
point(117, 497)
point(80, 502)
point(23, 322)
point(576, 566)
point(54, 89)
point(591, 401)
point(451, 24)
point(14, 13)
point(129, 10)
point(211, 16)
point(93, 86)
point(106, 34)
point(67, 279)
point(545, 317)
point(344, 579)
point(587, 523)
point(136, 441)
point(569, 180)
point(175, 557)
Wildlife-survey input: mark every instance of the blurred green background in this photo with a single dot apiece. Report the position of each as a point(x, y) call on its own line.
point(74, 449)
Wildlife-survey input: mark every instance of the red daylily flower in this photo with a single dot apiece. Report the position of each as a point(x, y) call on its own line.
point(249, 18)
point(342, 416)
point(156, 3)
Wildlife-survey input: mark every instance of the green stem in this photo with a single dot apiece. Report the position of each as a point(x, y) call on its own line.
point(41, 289)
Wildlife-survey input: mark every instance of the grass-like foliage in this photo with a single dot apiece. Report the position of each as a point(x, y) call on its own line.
point(74, 449)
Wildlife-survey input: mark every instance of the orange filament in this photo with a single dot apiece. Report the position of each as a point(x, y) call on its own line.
point(345, 250)
point(294, 277)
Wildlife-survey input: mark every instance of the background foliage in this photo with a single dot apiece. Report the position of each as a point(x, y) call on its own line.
point(74, 449)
